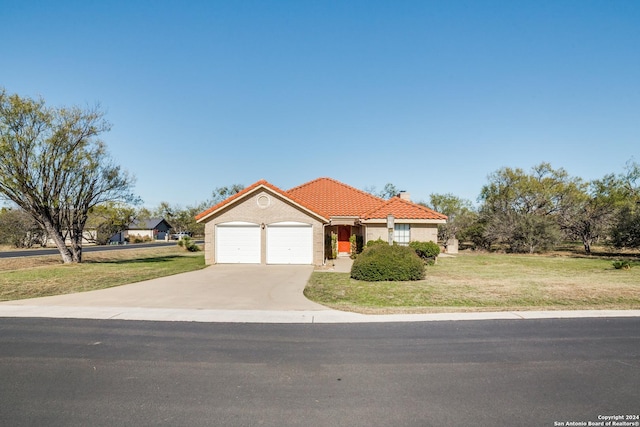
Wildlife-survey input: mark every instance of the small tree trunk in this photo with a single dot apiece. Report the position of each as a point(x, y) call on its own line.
point(76, 253)
point(57, 238)
point(587, 245)
point(76, 245)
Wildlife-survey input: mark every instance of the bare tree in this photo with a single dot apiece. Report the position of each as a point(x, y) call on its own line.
point(54, 167)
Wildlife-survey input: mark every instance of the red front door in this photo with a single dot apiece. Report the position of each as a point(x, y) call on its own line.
point(344, 232)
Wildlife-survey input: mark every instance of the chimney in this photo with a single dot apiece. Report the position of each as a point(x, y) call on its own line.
point(405, 196)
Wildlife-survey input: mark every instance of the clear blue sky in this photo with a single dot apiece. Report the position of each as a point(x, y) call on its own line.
point(431, 96)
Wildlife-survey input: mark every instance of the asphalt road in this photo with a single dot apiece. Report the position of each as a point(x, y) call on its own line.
point(487, 373)
point(41, 252)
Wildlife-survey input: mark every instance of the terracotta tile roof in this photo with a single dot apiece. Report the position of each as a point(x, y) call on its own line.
point(334, 198)
point(328, 198)
point(403, 209)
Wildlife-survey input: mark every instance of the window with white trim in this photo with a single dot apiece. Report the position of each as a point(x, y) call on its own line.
point(402, 234)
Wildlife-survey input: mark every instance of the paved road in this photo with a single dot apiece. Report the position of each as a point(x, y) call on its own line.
point(488, 373)
point(41, 252)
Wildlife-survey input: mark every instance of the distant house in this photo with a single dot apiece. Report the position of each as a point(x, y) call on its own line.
point(153, 228)
point(88, 237)
point(263, 224)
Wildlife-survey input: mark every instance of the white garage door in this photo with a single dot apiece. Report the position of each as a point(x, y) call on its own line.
point(238, 243)
point(289, 243)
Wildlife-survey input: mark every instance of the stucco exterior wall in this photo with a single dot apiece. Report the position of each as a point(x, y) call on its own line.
point(418, 232)
point(266, 208)
point(424, 232)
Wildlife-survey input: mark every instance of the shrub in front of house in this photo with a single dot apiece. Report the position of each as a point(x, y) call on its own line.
point(356, 245)
point(428, 251)
point(387, 263)
point(379, 241)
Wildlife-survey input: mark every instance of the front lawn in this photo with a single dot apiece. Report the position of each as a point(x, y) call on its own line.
point(32, 277)
point(488, 282)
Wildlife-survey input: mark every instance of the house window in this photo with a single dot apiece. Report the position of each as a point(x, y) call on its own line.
point(401, 234)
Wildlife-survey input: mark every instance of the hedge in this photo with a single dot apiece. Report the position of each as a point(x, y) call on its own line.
point(387, 263)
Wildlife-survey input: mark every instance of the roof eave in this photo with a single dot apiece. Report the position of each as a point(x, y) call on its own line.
point(405, 221)
point(224, 204)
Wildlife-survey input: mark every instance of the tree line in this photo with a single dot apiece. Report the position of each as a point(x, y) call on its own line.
point(534, 211)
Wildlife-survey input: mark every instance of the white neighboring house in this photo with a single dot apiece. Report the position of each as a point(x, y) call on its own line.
point(153, 228)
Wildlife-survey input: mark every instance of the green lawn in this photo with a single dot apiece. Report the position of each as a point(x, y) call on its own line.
point(487, 282)
point(45, 276)
point(467, 282)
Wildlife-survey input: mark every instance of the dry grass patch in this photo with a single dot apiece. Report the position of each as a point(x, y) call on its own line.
point(45, 276)
point(488, 282)
point(8, 264)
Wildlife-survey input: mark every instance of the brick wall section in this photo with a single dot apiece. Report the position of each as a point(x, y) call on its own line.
point(250, 210)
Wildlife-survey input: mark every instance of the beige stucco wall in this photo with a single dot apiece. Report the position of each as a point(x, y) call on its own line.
point(249, 210)
point(418, 232)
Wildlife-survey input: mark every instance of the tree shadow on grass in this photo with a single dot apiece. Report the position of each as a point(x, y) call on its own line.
point(152, 260)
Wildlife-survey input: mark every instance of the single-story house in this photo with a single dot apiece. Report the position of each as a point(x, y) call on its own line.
point(153, 228)
point(263, 224)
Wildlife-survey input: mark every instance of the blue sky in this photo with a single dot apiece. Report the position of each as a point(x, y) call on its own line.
point(431, 96)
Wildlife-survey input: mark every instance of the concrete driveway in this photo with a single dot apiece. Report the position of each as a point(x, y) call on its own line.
point(218, 287)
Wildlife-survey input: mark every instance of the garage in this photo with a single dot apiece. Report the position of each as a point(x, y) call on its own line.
point(289, 243)
point(238, 243)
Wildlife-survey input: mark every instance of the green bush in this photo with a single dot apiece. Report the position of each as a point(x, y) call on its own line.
point(188, 243)
point(377, 242)
point(428, 251)
point(621, 265)
point(387, 263)
point(356, 245)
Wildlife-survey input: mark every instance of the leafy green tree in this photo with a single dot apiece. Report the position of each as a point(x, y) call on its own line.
point(589, 213)
point(520, 209)
point(630, 179)
point(460, 215)
point(54, 167)
point(181, 219)
point(475, 231)
point(194, 227)
point(387, 192)
point(625, 232)
point(222, 193)
point(143, 213)
point(108, 219)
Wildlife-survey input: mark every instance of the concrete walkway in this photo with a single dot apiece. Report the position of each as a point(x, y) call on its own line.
point(239, 294)
point(339, 265)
